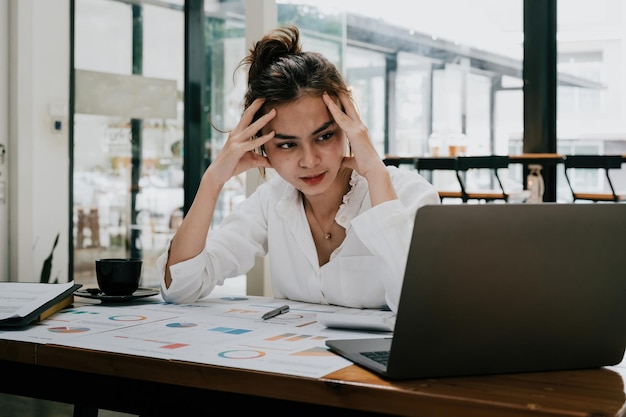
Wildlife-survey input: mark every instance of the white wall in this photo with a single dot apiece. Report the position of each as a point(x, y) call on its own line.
point(4, 134)
point(39, 188)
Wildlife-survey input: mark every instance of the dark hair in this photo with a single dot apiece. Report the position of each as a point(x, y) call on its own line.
point(281, 72)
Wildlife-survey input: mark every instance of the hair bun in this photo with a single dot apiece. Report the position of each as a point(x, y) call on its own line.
point(271, 48)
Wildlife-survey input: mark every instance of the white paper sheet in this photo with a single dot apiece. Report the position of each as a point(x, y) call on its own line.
point(18, 299)
point(221, 330)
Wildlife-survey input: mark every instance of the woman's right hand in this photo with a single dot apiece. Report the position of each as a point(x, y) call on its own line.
point(238, 153)
point(236, 156)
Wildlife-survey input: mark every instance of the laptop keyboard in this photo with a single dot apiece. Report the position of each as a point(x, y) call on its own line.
point(380, 356)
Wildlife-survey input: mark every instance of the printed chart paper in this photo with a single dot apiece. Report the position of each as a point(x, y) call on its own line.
point(222, 330)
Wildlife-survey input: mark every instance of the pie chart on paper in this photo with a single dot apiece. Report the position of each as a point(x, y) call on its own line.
point(241, 354)
point(64, 329)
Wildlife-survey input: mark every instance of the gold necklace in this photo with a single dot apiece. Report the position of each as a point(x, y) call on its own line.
point(327, 235)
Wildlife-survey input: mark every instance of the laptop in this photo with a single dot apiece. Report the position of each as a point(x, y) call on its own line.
point(506, 288)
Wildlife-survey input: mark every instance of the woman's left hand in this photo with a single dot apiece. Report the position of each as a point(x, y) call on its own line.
point(363, 159)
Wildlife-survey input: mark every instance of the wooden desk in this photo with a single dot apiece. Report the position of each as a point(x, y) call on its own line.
point(149, 386)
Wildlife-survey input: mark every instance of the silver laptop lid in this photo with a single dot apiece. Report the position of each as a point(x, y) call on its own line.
point(500, 288)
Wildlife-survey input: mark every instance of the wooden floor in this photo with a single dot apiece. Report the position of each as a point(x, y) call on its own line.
point(16, 406)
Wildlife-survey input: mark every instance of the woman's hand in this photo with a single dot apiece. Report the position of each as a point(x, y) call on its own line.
point(238, 153)
point(236, 156)
point(363, 159)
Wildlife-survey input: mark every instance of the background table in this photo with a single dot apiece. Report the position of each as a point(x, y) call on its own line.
point(548, 162)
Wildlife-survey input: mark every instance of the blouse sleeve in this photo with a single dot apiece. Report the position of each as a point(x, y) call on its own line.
point(230, 251)
point(386, 229)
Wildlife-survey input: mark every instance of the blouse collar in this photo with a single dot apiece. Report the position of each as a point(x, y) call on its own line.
point(291, 201)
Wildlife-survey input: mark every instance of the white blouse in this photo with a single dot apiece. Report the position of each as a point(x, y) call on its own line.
point(365, 271)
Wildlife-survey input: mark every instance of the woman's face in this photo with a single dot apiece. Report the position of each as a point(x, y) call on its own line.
point(308, 147)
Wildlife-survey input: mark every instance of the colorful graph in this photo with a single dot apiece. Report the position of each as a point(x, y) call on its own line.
point(280, 336)
point(292, 337)
point(64, 329)
point(164, 343)
point(127, 317)
point(229, 330)
point(314, 351)
point(241, 354)
point(73, 311)
point(178, 325)
point(244, 312)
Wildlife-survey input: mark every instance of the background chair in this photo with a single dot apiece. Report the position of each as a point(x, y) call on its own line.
point(604, 163)
point(428, 165)
point(489, 191)
point(396, 161)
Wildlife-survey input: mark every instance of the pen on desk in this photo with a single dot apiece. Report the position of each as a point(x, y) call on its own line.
point(275, 312)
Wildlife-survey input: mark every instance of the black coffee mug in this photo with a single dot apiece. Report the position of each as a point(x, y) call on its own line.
point(118, 276)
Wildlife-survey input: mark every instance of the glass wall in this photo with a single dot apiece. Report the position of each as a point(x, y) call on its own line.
point(128, 174)
point(420, 78)
point(591, 119)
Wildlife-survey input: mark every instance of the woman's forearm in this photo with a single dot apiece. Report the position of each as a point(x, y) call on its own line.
point(190, 238)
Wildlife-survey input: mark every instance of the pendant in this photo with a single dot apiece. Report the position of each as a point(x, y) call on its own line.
point(328, 236)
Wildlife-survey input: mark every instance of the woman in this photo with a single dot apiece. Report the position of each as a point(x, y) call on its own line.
point(335, 221)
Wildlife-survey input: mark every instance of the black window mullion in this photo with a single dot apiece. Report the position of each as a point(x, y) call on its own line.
point(193, 142)
point(540, 85)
